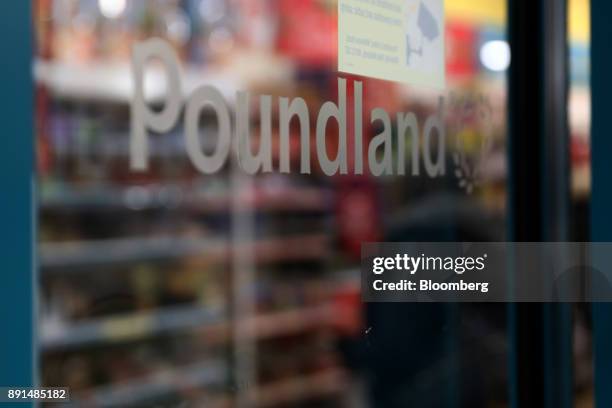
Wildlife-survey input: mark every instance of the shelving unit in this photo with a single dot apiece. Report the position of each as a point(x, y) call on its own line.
point(179, 197)
point(211, 323)
point(65, 256)
point(155, 387)
point(127, 327)
point(325, 384)
point(199, 274)
point(112, 83)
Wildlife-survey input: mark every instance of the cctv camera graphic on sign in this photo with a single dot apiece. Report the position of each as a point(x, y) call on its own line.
point(395, 40)
point(423, 34)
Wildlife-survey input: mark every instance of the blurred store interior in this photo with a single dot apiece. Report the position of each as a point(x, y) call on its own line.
point(170, 288)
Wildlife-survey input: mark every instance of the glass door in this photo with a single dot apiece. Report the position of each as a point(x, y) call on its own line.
point(208, 171)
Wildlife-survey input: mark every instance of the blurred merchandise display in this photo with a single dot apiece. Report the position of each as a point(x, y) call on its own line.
point(142, 283)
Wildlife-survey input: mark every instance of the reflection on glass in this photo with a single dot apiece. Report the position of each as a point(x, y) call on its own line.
point(166, 286)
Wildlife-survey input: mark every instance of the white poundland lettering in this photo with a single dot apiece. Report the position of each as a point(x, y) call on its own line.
point(145, 118)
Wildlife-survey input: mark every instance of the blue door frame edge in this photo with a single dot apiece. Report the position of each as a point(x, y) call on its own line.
point(17, 357)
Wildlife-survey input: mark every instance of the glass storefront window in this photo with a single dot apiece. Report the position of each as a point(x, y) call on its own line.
point(171, 287)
